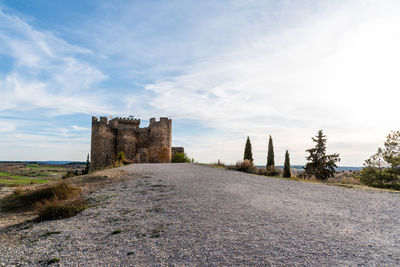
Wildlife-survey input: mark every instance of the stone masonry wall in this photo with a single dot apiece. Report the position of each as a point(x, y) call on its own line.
point(140, 145)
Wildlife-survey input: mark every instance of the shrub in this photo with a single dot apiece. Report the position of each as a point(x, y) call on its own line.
point(53, 260)
point(271, 171)
point(51, 202)
point(180, 158)
point(71, 174)
point(120, 160)
point(26, 199)
point(245, 166)
point(261, 171)
point(121, 156)
point(56, 209)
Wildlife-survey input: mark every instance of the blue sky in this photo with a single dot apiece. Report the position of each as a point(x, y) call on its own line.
point(222, 70)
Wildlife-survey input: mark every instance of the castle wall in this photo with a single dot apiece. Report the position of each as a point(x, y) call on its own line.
point(140, 145)
point(126, 142)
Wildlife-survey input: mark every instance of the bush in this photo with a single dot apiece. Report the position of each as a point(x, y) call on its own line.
point(120, 160)
point(261, 171)
point(271, 171)
point(55, 209)
point(382, 178)
point(180, 158)
point(51, 202)
point(245, 166)
point(26, 199)
point(71, 174)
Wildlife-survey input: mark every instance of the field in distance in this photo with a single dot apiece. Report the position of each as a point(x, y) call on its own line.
point(22, 173)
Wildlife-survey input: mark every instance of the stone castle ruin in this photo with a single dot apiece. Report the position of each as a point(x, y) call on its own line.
point(140, 145)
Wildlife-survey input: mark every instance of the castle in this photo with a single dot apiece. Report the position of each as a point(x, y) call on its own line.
point(140, 145)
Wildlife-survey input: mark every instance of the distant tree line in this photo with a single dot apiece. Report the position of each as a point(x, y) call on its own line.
point(319, 165)
point(382, 169)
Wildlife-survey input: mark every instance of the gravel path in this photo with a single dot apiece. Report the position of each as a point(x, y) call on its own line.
point(182, 214)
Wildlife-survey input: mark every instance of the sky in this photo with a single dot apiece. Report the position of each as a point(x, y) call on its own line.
point(221, 70)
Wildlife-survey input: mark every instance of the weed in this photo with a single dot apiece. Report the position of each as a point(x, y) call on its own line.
point(49, 233)
point(29, 226)
point(154, 209)
point(158, 185)
point(53, 260)
point(156, 232)
point(118, 231)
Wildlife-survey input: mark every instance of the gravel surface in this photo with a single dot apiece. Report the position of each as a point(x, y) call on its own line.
point(184, 214)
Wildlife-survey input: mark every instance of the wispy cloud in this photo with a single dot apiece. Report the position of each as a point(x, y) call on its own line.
point(7, 126)
point(45, 71)
point(79, 128)
point(221, 71)
point(333, 71)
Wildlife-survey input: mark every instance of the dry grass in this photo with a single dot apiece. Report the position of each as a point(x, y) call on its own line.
point(26, 199)
point(54, 201)
point(56, 209)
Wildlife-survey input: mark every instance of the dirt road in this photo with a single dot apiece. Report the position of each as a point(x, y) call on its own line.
point(184, 214)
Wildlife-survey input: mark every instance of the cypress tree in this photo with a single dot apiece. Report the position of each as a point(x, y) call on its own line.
point(87, 167)
point(320, 165)
point(286, 169)
point(270, 155)
point(247, 151)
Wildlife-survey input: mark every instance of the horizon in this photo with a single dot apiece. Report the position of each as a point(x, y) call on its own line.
point(221, 71)
point(294, 166)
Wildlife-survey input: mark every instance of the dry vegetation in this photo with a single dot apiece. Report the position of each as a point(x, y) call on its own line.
point(54, 201)
point(57, 200)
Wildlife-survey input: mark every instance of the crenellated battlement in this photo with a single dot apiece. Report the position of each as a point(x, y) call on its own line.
point(163, 120)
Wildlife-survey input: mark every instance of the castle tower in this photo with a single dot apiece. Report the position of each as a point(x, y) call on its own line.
point(102, 150)
point(127, 140)
point(161, 140)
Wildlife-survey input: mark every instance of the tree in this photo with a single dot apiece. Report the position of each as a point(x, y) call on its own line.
point(247, 151)
point(383, 168)
point(87, 167)
point(320, 165)
point(391, 153)
point(181, 158)
point(286, 168)
point(374, 171)
point(270, 155)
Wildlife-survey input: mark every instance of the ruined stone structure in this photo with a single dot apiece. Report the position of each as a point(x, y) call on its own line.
point(178, 149)
point(140, 145)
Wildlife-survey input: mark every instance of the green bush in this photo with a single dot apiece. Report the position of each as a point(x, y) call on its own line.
point(382, 169)
point(121, 156)
point(180, 158)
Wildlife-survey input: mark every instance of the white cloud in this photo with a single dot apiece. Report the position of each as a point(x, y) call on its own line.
point(7, 126)
point(79, 128)
point(334, 71)
point(41, 147)
point(46, 72)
